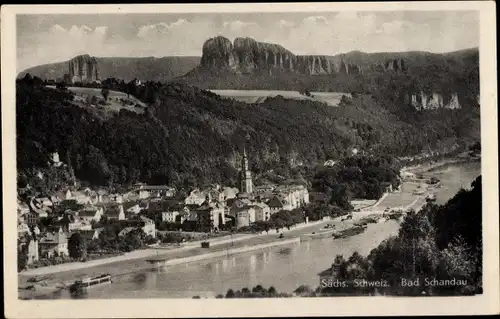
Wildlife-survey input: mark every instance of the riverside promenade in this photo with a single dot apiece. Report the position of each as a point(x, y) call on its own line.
point(188, 249)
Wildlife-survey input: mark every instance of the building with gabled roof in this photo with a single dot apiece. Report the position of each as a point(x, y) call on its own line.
point(262, 211)
point(275, 204)
point(148, 191)
point(149, 227)
point(54, 244)
point(90, 213)
point(114, 212)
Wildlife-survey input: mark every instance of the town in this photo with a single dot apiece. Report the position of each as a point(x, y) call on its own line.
point(47, 225)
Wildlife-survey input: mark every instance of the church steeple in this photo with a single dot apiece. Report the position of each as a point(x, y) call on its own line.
point(246, 184)
point(244, 160)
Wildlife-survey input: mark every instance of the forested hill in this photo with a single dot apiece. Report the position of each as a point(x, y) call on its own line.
point(189, 136)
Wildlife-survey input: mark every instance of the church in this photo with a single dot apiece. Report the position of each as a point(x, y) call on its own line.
point(245, 179)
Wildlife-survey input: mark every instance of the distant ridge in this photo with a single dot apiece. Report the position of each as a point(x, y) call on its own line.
point(251, 65)
point(143, 68)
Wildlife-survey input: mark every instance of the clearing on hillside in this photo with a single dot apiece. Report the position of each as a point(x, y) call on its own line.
point(84, 97)
point(259, 96)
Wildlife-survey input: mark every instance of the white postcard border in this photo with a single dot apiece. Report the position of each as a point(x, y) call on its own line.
point(486, 303)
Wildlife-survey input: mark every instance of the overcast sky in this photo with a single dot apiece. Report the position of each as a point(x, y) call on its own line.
point(55, 38)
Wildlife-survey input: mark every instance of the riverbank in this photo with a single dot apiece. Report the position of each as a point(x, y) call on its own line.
point(435, 165)
point(134, 262)
point(60, 276)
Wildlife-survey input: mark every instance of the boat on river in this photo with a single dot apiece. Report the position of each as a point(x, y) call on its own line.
point(92, 281)
point(349, 232)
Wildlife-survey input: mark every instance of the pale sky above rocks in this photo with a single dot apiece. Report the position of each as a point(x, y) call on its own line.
point(46, 38)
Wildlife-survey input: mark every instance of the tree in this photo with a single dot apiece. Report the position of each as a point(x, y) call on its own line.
point(105, 93)
point(77, 247)
point(271, 291)
point(22, 259)
point(303, 291)
point(230, 293)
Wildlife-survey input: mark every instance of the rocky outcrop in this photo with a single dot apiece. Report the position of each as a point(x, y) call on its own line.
point(247, 55)
point(432, 101)
point(252, 55)
point(83, 68)
point(218, 53)
point(395, 65)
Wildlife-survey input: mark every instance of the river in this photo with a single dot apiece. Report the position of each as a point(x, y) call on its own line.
point(284, 267)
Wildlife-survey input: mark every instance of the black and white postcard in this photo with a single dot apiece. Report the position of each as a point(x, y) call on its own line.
point(250, 159)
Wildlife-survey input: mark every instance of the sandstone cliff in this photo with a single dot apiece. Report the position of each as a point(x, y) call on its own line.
point(247, 56)
point(83, 68)
point(395, 65)
point(424, 101)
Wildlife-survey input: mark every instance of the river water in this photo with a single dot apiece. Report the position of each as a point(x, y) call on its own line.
point(284, 267)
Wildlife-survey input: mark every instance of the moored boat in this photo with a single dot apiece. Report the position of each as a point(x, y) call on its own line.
point(349, 232)
point(92, 281)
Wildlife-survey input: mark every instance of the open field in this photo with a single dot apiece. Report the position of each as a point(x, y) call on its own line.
point(116, 100)
point(258, 96)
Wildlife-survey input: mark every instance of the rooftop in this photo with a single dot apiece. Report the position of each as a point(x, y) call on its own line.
point(155, 187)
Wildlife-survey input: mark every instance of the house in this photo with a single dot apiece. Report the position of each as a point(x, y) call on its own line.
point(262, 211)
point(115, 212)
point(196, 197)
point(31, 218)
point(54, 244)
point(166, 210)
point(148, 191)
point(22, 229)
point(264, 188)
point(60, 196)
point(265, 197)
point(130, 196)
point(164, 205)
point(293, 196)
point(55, 200)
point(78, 224)
point(229, 192)
point(92, 195)
point(210, 217)
point(136, 209)
point(33, 250)
point(275, 204)
point(215, 195)
point(116, 198)
point(90, 213)
point(407, 175)
point(30, 245)
point(54, 160)
point(36, 205)
point(169, 217)
point(125, 231)
point(45, 201)
point(149, 226)
point(82, 198)
point(244, 216)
